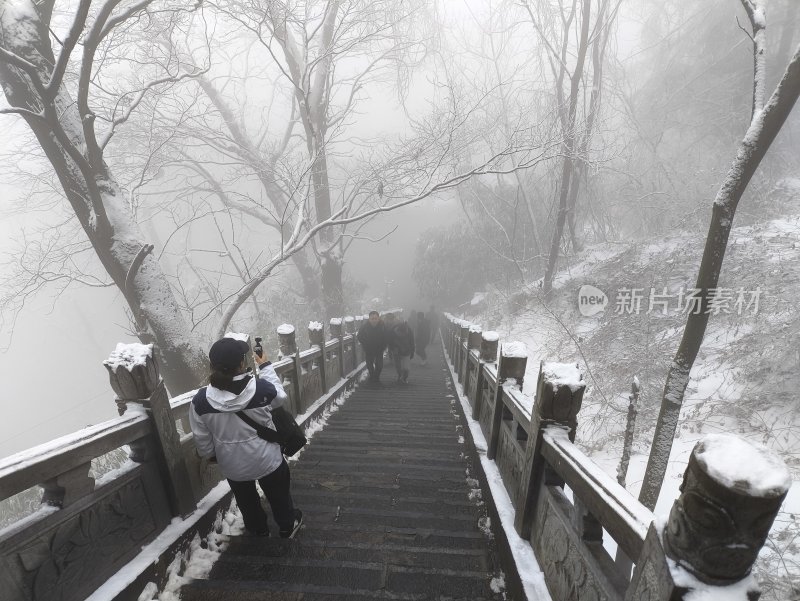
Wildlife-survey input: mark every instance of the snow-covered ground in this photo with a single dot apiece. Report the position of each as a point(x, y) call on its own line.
point(744, 380)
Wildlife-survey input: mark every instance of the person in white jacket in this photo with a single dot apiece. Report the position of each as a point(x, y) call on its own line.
point(244, 458)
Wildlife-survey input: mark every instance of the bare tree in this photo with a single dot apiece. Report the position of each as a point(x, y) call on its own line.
point(328, 51)
point(765, 123)
point(66, 126)
point(576, 135)
point(443, 150)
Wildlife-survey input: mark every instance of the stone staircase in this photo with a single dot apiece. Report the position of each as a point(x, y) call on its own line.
point(387, 507)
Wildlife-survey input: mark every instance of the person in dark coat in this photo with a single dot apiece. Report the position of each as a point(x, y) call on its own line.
point(423, 336)
point(401, 342)
point(372, 336)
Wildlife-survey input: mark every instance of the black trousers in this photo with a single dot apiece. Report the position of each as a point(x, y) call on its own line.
point(374, 362)
point(276, 489)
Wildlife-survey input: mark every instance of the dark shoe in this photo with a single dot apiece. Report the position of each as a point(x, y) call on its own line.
point(298, 521)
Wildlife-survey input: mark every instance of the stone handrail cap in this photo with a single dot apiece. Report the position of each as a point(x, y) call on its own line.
point(237, 336)
point(563, 374)
point(128, 356)
point(285, 328)
point(747, 467)
point(514, 349)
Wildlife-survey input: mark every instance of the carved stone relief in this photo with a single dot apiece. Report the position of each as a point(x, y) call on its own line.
point(568, 572)
point(79, 553)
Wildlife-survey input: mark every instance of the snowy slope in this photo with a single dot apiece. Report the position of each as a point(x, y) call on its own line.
point(744, 381)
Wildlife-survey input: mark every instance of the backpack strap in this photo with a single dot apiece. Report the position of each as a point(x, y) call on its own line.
point(263, 432)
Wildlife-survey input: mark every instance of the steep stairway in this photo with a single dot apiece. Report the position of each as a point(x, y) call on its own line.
point(388, 510)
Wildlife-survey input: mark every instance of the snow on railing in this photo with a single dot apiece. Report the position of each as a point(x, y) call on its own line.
point(737, 485)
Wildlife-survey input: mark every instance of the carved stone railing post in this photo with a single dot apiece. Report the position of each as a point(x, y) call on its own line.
point(559, 394)
point(316, 335)
point(463, 335)
point(287, 339)
point(489, 341)
point(350, 328)
point(134, 376)
point(730, 495)
point(452, 336)
point(357, 350)
point(513, 362)
point(288, 344)
point(473, 343)
point(336, 332)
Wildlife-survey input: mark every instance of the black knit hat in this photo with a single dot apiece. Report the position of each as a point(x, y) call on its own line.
point(226, 354)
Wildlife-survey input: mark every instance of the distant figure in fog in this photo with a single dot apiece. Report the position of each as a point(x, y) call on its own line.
point(401, 343)
point(372, 336)
point(423, 336)
point(389, 322)
point(412, 320)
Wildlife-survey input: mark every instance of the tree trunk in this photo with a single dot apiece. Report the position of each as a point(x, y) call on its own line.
point(763, 129)
point(332, 289)
point(98, 202)
point(581, 172)
point(568, 167)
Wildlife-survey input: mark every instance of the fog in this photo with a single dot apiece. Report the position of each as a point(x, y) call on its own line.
point(423, 97)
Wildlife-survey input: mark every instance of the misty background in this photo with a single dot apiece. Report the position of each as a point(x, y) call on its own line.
point(171, 171)
point(176, 171)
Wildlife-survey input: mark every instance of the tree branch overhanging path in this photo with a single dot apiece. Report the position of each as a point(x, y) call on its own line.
point(765, 124)
point(78, 120)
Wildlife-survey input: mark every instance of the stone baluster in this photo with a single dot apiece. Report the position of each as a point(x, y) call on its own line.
point(513, 362)
point(133, 374)
point(316, 335)
point(730, 495)
point(336, 332)
point(463, 335)
point(453, 343)
point(288, 344)
point(489, 342)
point(350, 328)
point(488, 352)
point(473, 343)
point(287, 340)
point(559, 394)
point(357, 350)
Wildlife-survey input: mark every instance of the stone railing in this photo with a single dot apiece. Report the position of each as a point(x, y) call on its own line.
point(87, 529)
point(730, 495)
